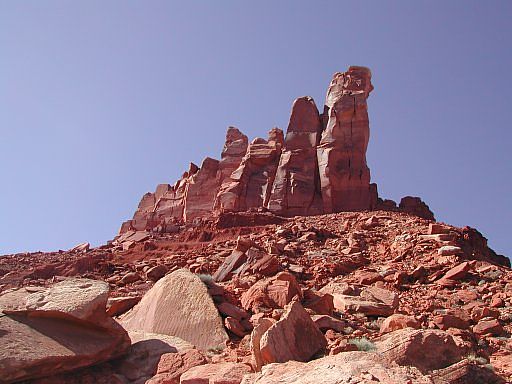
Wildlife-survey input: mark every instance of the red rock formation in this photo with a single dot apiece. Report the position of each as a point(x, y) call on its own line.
point(344, 175)
point(251, 183)
point(296, 189)
point(319, 167)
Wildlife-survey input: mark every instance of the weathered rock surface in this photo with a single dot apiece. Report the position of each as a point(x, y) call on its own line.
point(344, 368)
point(383, 270)
point(294, 337)
point(172, 365)
point(398, 321)
point(296, 188)
point(145, 354)
point(426, 350)
point(222, 373)
point(179, 305)
point(275, 292)
point(371, 301)
point(62, 328)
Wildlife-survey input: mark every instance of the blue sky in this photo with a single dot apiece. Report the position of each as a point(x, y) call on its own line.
point(102, 100)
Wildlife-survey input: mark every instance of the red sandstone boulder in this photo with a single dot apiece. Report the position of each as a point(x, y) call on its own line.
point(415, 206)
point(371, 301)
point(118, 305)
point(488, 327)
point(228, 309)
point(179, 305)
point(458, 272)
point(320, 303)
point(294, 337)
point(260, 328)
point(398, 321)
point(343, 368)
point(172, 365)
point(274, 292)
point(344, 175)
point(221, 373)
point(142, 360)
point(49, 331)
point(157, 272)
point(325, 322)
point(448, 320)
point(466, 372)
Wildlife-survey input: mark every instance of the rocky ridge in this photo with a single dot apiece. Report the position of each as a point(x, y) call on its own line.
point(267, 293)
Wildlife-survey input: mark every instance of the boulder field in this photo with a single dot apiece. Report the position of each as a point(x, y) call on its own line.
point(277, 264)
point(352, 297)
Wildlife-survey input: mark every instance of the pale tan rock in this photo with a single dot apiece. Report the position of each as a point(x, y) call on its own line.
point(179, 305)
point(82, 247)
point(372, 301)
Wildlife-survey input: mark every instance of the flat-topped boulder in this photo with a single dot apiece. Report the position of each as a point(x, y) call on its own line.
point(50, 331)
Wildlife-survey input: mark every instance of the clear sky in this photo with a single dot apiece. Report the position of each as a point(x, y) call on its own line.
point(102, 100)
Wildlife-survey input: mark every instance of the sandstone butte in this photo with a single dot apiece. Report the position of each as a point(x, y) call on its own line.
point(278, 263)
point(318, 167)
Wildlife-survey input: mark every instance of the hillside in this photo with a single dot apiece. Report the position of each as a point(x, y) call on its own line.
point(278, 263)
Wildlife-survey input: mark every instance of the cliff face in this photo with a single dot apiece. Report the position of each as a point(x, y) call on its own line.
point(318, 167)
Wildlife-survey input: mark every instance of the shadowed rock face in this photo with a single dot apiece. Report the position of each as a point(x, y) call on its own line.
point(296, 189)
point(318, 167)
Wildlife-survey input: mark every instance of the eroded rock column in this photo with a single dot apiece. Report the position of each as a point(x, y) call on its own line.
point(344, 175)
point(296, 189)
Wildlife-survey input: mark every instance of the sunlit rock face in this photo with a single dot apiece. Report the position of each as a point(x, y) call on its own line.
point(344, 174)
point(317, 167)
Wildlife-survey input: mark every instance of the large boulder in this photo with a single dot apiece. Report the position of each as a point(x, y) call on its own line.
point(45, 332)
point(274, 292)
point(371, 301)
point(294, 337)
point(179, 305)
point(343, 368)
point(426, 349)
point(142, 361)
point(172, 365)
